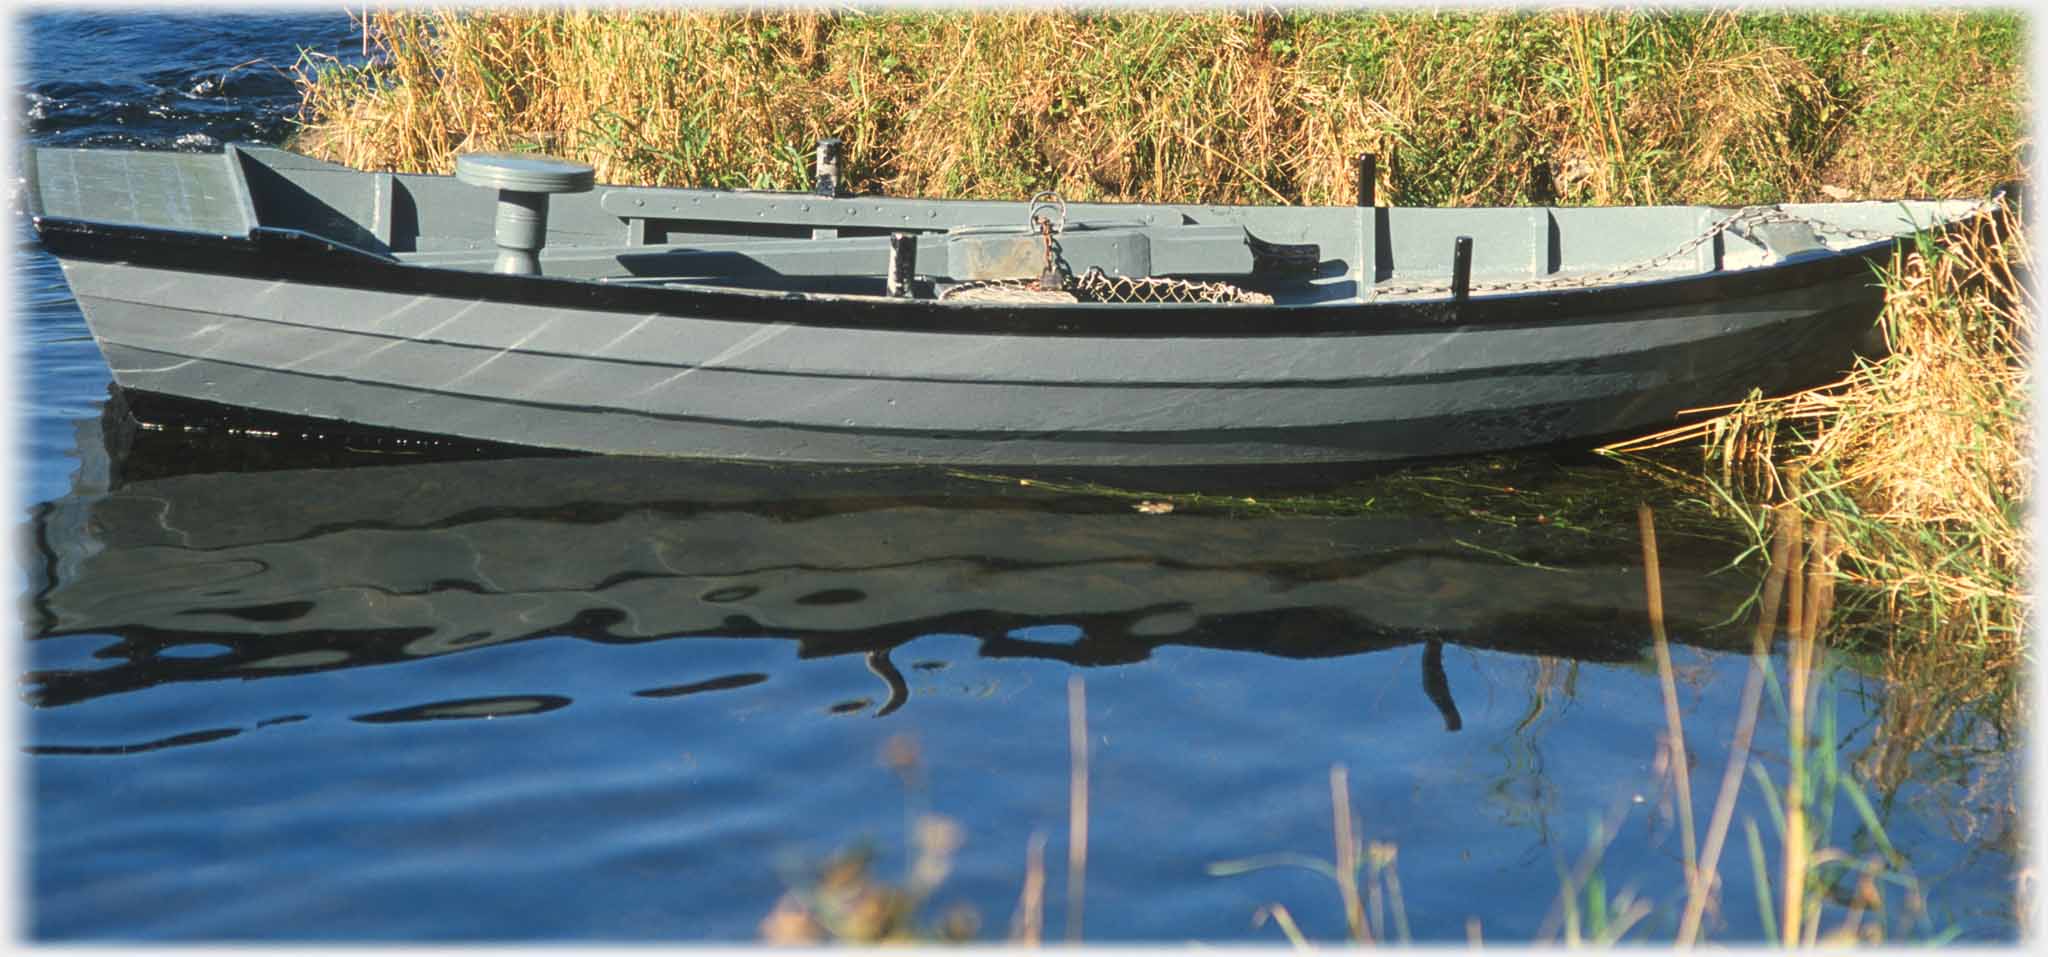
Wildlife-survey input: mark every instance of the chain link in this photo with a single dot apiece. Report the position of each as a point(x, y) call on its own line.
point(1097, 286)
point(1747, 217)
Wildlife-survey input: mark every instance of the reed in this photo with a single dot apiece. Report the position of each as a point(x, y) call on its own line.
point(1681, 777)
point(1803, 811)
point(1374, 913)
point(1027, 929)
point(1347, 854)
point(1262, 106)
point(1917, 464)
point(1699, 890)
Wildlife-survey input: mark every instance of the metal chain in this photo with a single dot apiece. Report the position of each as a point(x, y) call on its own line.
point(1097, 286)
point(1747, 216)
point(1055, 276)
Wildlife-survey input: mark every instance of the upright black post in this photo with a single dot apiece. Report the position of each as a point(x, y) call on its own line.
point(1461, 268)
point(902, 263)
point(827, 181)
point(2013, 195)
point(1368, 168)
point(1542, 185)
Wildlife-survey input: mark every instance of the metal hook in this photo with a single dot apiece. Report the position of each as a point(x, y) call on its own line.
point(1045, 199)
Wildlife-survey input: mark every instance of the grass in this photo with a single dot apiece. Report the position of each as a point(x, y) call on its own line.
point(1620, 107)
point(1916, 464)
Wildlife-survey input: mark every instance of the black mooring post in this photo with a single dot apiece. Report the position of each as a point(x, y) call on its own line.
point(1542, 185)
point(1461, 268)
point(1368, 169)
point(2013, 194)
point(827, 181)
point(902, 263)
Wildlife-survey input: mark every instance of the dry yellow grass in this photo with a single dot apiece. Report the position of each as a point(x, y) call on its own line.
point(1223, 107)
point(1919, 462)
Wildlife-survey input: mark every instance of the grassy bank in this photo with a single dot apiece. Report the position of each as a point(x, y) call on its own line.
point(1917, 464)
point(1263, 107)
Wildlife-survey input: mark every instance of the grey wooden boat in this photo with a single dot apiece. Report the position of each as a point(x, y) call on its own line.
point(516, 302)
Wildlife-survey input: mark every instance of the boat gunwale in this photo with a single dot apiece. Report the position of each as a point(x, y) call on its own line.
point(296, 256)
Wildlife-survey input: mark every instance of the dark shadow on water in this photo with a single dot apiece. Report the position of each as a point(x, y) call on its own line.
point(225, 438)
point(278, 556)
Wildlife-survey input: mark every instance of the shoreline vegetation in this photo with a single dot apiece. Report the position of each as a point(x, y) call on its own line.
point(1915, 468)
point(1623, 108)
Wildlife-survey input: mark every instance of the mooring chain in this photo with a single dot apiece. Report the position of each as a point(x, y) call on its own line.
point(1055, 276)
point(1052, 277)
point(1748, 216)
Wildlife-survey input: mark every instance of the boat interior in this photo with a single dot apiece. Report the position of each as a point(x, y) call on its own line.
point(829, 244)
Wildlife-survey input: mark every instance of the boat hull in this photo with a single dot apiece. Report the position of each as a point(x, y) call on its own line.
point(771, 384)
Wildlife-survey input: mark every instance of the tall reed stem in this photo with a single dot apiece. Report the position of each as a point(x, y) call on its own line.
point(1794, 877)
point(1347, 855)
point(1028, 928)
point(1681, 776)
point(1701, 887)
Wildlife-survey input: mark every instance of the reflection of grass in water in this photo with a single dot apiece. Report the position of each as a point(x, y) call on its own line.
point(1823, 889)
point(1516, 491)
point(1524, 789)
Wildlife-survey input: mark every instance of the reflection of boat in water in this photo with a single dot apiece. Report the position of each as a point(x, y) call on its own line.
point(302, 569)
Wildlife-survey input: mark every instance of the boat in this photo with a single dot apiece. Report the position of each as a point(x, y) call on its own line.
point(182, 557)
point(519, 302)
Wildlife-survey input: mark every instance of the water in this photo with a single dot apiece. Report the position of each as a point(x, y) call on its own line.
point(275, 692)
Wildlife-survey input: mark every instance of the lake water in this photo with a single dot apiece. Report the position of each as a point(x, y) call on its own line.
point(275, 690)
